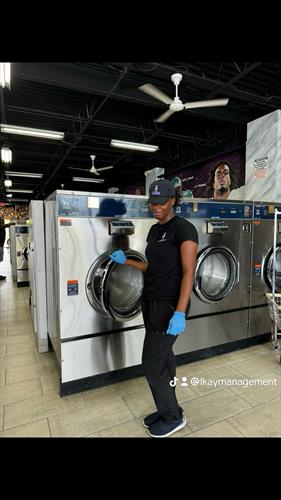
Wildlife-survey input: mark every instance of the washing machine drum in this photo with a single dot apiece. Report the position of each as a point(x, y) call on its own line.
point(115, 290)
point(268, 269)
point(215, 274)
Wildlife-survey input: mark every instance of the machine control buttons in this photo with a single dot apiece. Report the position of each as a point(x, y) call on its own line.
point(217, 227)
point(121, 227)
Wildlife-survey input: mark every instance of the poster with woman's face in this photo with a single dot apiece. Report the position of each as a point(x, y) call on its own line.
point(215, 179)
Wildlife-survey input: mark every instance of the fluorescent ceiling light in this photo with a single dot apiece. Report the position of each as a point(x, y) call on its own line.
point(24, 174)
point(6, 155)
point(20, 190)
point(134, 145)
point(5, 74)
point(9, 195)
point(87, 179)
point(34, 132)
point(8, 183)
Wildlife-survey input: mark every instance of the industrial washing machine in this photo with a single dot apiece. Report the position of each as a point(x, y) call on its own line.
point(93, 304)
point(37, 273)
point(220, 299)
point(262, 266)
point(19, 253)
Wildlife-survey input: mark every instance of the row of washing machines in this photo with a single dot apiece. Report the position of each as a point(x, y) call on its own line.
point(94, 320)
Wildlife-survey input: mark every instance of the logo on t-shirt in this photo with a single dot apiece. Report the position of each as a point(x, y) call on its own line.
point(163, 238)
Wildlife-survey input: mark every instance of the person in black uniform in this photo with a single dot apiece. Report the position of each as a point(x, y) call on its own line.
point(168, 280)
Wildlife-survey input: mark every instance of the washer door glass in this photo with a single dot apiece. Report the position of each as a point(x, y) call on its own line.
point(216, 274)
point(113, 289)
point(25, 253)
point(269, 268)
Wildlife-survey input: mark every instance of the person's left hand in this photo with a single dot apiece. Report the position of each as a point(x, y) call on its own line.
point(177, 323)
point(118, 256)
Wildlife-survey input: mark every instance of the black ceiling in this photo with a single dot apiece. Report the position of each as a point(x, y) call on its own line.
point(93, 103)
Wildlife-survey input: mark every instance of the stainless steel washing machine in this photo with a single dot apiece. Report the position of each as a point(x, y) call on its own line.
point(94, 315)
point(21, 239)
point(262, 266)
point(220, 298)
point(37, 273)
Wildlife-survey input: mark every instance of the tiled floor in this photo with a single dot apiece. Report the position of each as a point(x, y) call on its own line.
point(30, 405)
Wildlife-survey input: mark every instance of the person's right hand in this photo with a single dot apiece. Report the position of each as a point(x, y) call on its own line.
point(177, 323)
point(118, 256)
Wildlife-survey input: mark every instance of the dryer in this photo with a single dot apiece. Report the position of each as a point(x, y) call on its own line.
point(94, 314)
point(262, 266)
point(220, 298)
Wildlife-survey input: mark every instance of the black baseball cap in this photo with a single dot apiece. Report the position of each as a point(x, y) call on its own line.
point(160, 191)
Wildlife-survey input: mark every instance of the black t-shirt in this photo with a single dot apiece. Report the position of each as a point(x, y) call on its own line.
point(162, 279)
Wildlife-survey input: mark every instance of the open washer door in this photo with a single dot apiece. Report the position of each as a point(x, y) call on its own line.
point(268, 268)
point(22, 253)
point(216, 273)
point(115, 290)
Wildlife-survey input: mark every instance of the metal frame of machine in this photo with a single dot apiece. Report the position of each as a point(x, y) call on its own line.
point(37, 273)
point(262, 266)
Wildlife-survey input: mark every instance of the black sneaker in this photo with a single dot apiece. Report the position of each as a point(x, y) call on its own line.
point(161, 428)
point(2, 277)
point(153, 417)
point(150, 419)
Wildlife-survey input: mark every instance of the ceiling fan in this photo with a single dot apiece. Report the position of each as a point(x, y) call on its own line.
point(176, 104)
point(93, 169)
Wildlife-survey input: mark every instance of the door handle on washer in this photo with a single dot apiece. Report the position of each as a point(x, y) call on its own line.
point(238, 273)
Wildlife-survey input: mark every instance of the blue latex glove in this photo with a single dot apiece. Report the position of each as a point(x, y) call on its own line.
point(118, 256)
point(177, 323)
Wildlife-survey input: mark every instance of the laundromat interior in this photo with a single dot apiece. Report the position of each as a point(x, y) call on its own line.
point(80, 145)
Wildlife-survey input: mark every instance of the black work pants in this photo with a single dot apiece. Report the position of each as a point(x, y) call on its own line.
point(158, 359)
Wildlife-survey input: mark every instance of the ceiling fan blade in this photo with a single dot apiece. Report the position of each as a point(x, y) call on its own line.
point(206, 104)
point(162, 118)
point(77, 168)
point(150, 89)
point(105, 168)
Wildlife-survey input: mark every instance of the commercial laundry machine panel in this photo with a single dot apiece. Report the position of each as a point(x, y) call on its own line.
point(262, 266)
point(220, 298)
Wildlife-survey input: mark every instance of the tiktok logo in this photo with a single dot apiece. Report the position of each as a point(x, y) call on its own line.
point(173, 382)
